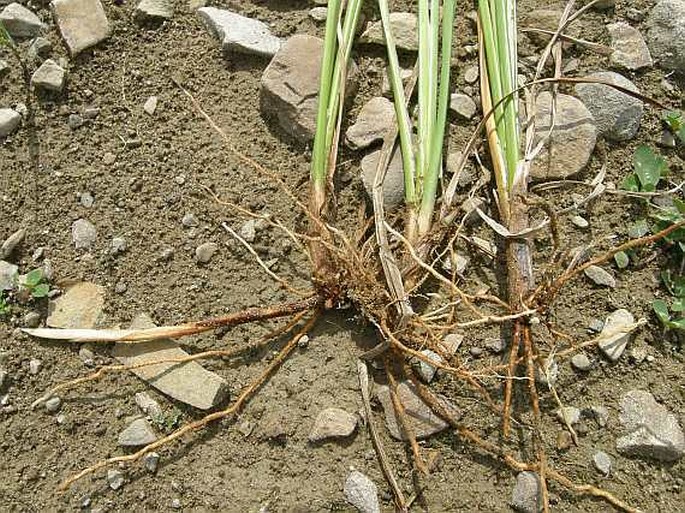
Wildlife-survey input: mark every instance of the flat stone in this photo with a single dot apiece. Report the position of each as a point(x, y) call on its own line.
point(155, 10)
point(614, 339)
point(149, 406)
point(115, 479)
point(653, 432)
point(290, 86)
point(332, 423)
point(188, 382)
point(572, 141)
point(20, 22)
point(602, 462)
point(150, 105)
point(581, 362)
point(82, 23)
point(600, 276)
point(404, 28)
point(425, 370)
point(629, 48)
point(545, 19)
point(418, 414)
point(50, 76)
point(375, 118)
point(361, 493)
point(617, 115)
point(205, 252)
point(137, 434)
point(393, 186)
point(80, 306)
point(666, 34)
point(462, 105)
point(11, 243)
point(83, 234)
point(526, 496)
point(238, 33)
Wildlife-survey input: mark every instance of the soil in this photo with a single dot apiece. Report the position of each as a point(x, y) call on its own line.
point(143, 195)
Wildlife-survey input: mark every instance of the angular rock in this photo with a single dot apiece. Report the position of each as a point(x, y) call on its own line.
point(40, 48)
point(35, 366)
point(332, 423)
point(137, 434)
point(361, 493)
point(205, 252)
point(151, 461)
point(451, 343)
point(600, 276)
point(50, 76)
point(629, 48)
point(404, 27)
point(572, 141)
point(545, 19)
point(462, 105)
point(20, 22)
point(526, 496)
point(238, 33)
point(9, 121)
point(653, 432)
point(290, 86)
point(374, 119)
point(425, 370)
point(615, 335)
point(568, 415)
point(617, 115)
point(602, 462)
point(318, 13)
point(83, 234)
point(155, 10)
point(149, 406)
point(82, 23)
point(115, 479)
point(666, 34)
point(150, 105)
point(418, 414)
point(393, 185)
point(188, 382)
point(80, 306)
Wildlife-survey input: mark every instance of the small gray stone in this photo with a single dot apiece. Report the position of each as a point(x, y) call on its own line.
point(83, 234)
point(247, 231)
point(616, 334)
point(600, 277)
point(496, 345)
point(86, 199)
point(9, 121)
point(205, 252)
point(581, 362)
point(568, 415)
point(404, 27)
point(53, 404)
point(87, 356)
point(137, 434)
point(118, 245)
point(40, 48)
point(462, 105)
point(471, 74)
point(151, 461)
point(35, 366)
point(629, 48)
point(526, 494)
point(393, 186)
point(9, 274)
point(11, 243)
point(31, 320)
point(74, 121)
point(150, 105)
point(50, 76)
point(548, 373)
point(332, 423)
point(666, 34)
point(599, 413)
point(20, 22)
point(238, 33)
point(155, 10)
point(318, 13)
point(149, 406)
point(374, 119)
point(617, 115)
point(82, 23)
point(361, 493)
point(176, 504)
point(115, 479)
point(425, 370)
point(602, 462)
point(190, 221)
point(451, 342)
point(580, 221)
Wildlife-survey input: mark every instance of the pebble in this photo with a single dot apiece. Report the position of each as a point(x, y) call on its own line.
point(373, 121)
point(247, 231)
point(496, 345)
point(118, 245)
point(53, 404)
point(617, 115)
point(629, 48)
point(638, 354)
point(548, 373)
point(426, 370)
point(526, 494)
point(471, 74)
point(404, 27)
point(580, 221)
point(666, 34)
point(81, 306)
point(238, 33)
point(600, 414)
point(108, 159)
point(35, 366)
point(74, 121)
point(9, 274)
point(361, 493)
point(462, 105)
point(40, 48)
point(190, 221)
point(87, 356)
point(11, 243)
point(653, 432)
point(9, 121)
point(50, 76)
point(568, 415)
point(581, 362)
point(31, 320)
point(155, 10)
point(569, 147)
point(602, 462)
point(393, 185)
point(151, 462)
point(115, 479)
point(176, 504)
point(82, 23)
point(149, 406)
point(83, 234)
point(386, 87)
point(150, 105)
point(205, 252)
point(564, 440)
point(332, 423)
point(451, 342)
point(318, 13)
point(600, 276)
point(166, 254)
point(137, 434)
point(613, 340)
point(86, 199)
point(20, 22)
point(120, 287)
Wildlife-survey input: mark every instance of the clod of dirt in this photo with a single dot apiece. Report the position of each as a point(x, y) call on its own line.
point(404, 27)
point(526, 494)
point(20, 22)
point(616, 333)
point(82, 23)
point(9, 121)
point(332, 423)
point(629, 48)
point(362, 493)
point(81, 306)
point(137, 434)
point(374, 119)
point(238, 33)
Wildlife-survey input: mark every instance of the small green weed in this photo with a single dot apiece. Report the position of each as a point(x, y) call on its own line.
point(34, 281)
point(675, 122)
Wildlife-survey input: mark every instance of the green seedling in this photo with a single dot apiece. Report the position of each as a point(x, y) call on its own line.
point(35, 283)
point(675, 122)
point(672, 315)
point(648, 170)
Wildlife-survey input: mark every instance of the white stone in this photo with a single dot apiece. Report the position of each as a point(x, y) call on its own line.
point(614, 337)
point(332, 423)
point(426, 370)
point(150, 105)
point(50, 76)
point(9, 121)
point(80, 306)
point(137, 434)
point(82, 23)
point(20, 22)
point(238, 33)
point(83, 234)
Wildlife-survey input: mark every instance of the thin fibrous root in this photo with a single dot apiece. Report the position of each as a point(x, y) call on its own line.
point(193, 328)
point(231, 410)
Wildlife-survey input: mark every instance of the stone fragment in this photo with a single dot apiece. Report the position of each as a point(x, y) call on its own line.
point(418, 414)
point(9, 121)
point(462, 105)
point(31, 320)
point(617, 115)
point(629, 48)
point(386, 87)
point(526, 494)
point(80, 306)
point(545, 19)
point(600, 276)
point(248, 230)
point(149, 406)
point(20, 22)
point(393, 185)
point(572, 141)
point(118, 246)
point(151, 461)
point(426, 370)
point(4, 69)
point(83, 234)
point(599, 413)
point(190, 221)
point(653, 432)
point(602, 462)
point(451, 342)
point(374, 119)
point(404, 27)
point(238, 33)
point(40, 48)
point(361, 493)
point(155, 10)
point(82, 23)
point(9, 274)
point(205, 252)
point(666, 34)
point(568, 415)
point(616, 333)
point(137, 434)
point(11, 243)
point(53, 404)
point(471, 75)
point(318, 13)
point(188, 382)
point(580, 221)
point(581, 362)
point(150, 105)
point(50, 76)
point(35, 366)
point(115, 479)
point(332, 423)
